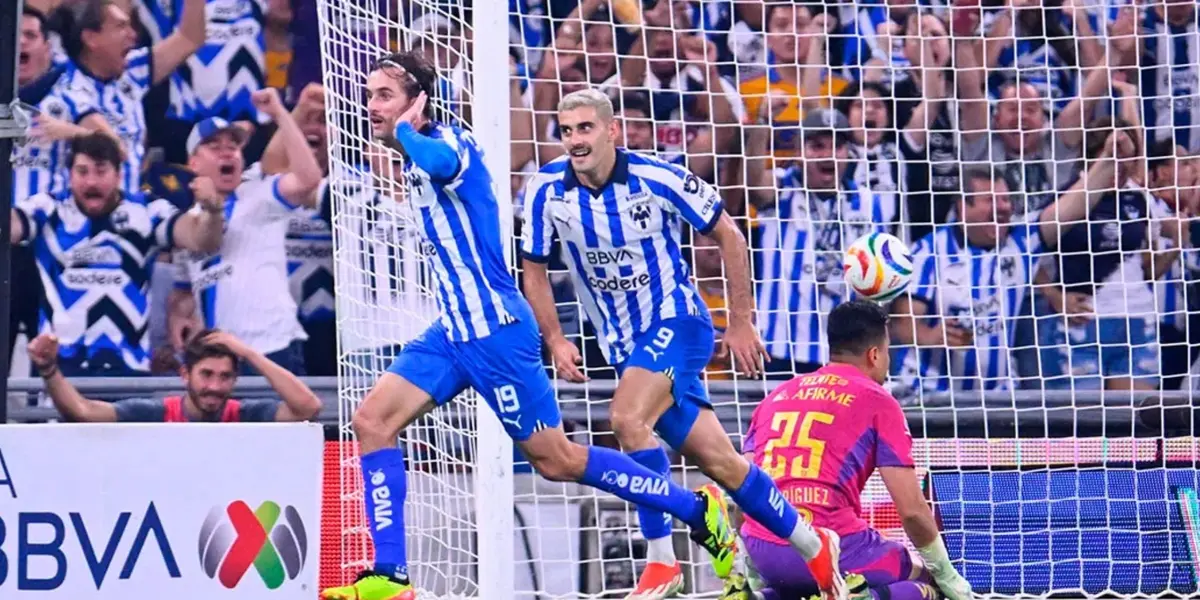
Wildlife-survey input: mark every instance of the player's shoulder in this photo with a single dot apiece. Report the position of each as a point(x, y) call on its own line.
point(549, 174)
point(657, 170)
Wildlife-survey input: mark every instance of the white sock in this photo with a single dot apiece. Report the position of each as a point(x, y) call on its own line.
point(804, 539)
point(660, 550)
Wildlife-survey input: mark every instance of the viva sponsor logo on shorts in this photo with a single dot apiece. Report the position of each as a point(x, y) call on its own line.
point(647, 486)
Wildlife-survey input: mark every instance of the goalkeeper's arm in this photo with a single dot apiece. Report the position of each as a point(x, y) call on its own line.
point(918, 523)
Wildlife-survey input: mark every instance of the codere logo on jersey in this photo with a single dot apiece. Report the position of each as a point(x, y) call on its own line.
point(234, 538)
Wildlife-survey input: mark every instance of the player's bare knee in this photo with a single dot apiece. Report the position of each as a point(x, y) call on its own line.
point(631, 428)
point(554, 457)
point(369, 428)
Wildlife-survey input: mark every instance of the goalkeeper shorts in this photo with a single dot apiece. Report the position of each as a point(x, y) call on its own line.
point(881, 562)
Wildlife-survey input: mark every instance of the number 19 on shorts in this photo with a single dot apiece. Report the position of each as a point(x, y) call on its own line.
point(506, 399)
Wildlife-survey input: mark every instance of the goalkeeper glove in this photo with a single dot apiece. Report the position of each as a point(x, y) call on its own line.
point(953, 585)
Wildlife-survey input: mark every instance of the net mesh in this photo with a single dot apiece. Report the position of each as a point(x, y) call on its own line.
point(959, 119)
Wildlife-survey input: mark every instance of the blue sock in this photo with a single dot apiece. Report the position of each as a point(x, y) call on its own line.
point(755, 499)
point(618, 474)
point(385, 486)
point(653, 523)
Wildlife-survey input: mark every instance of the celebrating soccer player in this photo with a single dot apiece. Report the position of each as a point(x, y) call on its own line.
point(820, 436)
point(486, 338)
point(618, 216)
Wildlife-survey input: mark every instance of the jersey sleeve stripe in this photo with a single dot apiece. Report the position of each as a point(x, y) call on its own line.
point(537, 242)
point(164, 232)
point(716, 217)
point(278, 195)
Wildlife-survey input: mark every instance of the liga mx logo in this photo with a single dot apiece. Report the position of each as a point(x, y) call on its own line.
point(271, 540)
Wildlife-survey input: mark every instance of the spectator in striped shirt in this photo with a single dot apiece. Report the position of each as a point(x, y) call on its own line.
point(1163, 40)
point(956, 325)
point(106, 72)
point(806, 217)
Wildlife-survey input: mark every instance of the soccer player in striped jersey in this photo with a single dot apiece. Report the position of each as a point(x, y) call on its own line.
point(106, 72)
point(486, 338)
point(618, 215)
point(821, 436)
point(971, 278)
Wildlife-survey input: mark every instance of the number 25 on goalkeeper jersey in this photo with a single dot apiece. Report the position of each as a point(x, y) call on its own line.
point(622, 242)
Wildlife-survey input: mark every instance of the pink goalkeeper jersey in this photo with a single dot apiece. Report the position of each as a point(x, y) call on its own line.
point(820, 436)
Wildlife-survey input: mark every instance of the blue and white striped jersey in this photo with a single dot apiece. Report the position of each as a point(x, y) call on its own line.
point(1170, 81)
point(622, 242)
point(120, 101)
point(96, 276)
point(980, 289)
point(864, 43)
point(309, 249)
point(798, 255)
point(218, 79)
point(40, 167)
point(460, 219)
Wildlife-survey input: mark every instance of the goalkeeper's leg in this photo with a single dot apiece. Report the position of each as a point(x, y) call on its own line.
point(425, 374)
point(878, 569)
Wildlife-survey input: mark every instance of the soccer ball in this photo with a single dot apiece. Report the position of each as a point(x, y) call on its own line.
point(878, 266)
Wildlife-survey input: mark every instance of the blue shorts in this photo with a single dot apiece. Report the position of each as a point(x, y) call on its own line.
point(680, 348)
point(505, 368)
point(1081, 357)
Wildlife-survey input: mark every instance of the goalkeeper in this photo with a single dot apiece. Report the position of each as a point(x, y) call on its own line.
point(619, 215)
point(820, 436)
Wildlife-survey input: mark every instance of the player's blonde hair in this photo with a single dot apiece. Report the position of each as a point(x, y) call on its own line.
point(588, 98)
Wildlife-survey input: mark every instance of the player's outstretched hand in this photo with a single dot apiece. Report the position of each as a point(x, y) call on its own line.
point(746, 348)
point(567, 360)
point(954, 586)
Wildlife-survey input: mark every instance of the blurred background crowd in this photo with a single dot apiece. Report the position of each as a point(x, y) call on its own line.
point(1038, 155)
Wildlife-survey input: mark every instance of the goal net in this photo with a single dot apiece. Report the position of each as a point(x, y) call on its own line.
point(1048, 279)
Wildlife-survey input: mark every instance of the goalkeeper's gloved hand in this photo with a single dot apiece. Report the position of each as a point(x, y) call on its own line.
point(952, 585)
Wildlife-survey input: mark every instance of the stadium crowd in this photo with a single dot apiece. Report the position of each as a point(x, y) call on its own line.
point(1041, 156)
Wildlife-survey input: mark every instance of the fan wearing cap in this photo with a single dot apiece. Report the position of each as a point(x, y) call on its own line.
point(94, 246)
point(807, 215)
point(243, 288)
